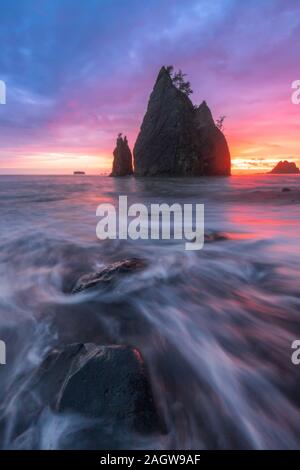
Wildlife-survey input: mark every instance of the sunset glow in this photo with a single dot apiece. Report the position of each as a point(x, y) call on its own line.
point(65, 109)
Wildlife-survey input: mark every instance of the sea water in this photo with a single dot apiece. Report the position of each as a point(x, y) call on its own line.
point(214, 326)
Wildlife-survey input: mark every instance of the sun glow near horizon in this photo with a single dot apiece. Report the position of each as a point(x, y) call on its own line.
point(262, 157)
point(245, 159)
point(62, 163)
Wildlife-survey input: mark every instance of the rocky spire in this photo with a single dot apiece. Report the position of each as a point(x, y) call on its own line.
point(122, 164)
point(203, 115)
point(213, 150)
point(177, 138)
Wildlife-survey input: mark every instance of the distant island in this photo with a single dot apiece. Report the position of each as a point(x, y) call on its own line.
point(177, 138)
point(285, 167)
point(78, 173)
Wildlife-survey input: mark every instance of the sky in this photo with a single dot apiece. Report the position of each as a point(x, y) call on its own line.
point(78, 72)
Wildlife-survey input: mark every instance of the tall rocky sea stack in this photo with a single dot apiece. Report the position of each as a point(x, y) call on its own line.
point(178, 138)
point(122, 164)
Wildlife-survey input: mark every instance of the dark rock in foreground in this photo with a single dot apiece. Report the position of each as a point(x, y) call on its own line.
point(106, 385)
point(109, 382)
point(177, 138)
point(285, 167)
point(122, 164)
point(108, 274)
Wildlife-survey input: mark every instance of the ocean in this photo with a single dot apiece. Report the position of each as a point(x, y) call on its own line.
point(215, 326)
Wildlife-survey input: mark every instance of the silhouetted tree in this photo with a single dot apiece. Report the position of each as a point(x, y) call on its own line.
point(178, 78)
point(181, 84)
point(169, 69)
point(185, 87)
point(220, 122)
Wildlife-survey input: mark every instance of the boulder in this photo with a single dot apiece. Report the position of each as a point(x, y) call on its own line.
point(108, 274)
point(177, 138)
point(122, 163)
point(106, 387)
point(109, 382)
point(285, 167)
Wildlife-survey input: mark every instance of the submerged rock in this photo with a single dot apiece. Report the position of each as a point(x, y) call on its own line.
point(109, 274)
point(215, 237)
point(285, 167)
point(177, 138)
point(122, 164)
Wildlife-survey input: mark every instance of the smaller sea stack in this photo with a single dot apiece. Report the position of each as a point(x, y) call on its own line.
point(285, 168)
point(122, 164)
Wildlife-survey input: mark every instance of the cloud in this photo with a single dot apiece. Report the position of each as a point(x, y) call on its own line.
point(79, 72)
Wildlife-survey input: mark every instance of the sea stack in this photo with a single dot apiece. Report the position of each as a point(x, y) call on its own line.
point(285, 168)
point(177, 138)
point(122, 164)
